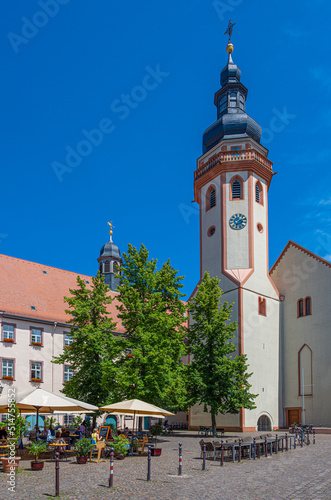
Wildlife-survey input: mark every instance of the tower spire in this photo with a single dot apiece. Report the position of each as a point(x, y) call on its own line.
point(229, 47)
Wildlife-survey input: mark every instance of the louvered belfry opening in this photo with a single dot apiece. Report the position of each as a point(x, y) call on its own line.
point(257, 193)
point(236, 189)
point(212, 198)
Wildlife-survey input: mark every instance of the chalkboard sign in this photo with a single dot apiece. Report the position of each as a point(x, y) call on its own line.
point(105, 432)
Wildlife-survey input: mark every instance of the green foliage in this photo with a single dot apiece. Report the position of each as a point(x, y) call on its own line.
point(94, 346)
point(77, 420)
point(217, 380)
point(120, 445)
point(16, 424)
point(83, 447)
point(156, 430)
point(50, 422)
point(150, 366)
point(36, 448)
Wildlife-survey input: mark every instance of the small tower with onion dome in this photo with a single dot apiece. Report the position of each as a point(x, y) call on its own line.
point(110, 261)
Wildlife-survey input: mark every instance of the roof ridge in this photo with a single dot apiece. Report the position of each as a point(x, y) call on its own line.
point(302, 249)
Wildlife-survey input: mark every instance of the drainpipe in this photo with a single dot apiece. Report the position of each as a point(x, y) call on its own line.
point(53, 331)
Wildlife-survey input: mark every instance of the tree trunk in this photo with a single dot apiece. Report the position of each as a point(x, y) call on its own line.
point(213, 423)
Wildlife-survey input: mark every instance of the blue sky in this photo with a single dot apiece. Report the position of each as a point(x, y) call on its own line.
point(68, 69)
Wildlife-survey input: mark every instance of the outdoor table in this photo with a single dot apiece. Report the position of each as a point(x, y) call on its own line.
point(57, 445)
point(233, 446)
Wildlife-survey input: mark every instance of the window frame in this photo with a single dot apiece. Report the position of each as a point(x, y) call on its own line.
point(64, 373)
point(299, 372)
point(106, 267)
point(303, 301)
point(310, 306)
point(208, 193)
point(258, 185)
point(65, 334)
point(41, 363)
point(2, 331)
point(242, 194)
point(262, 306)
point(7, 359)
point(41, 336)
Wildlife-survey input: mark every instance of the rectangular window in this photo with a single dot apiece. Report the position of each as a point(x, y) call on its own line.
point(36, 336)
point(68, 419)
point(8, 331)
point(68, 373)
point(7, 368)
point(35, 371)
point(3, 418)
point(262, 306)
point(67, 339)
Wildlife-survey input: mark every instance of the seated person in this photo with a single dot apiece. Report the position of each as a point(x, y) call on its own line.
point(95, 436)
point(44, 433)
point(3, 433)
point(59, 440)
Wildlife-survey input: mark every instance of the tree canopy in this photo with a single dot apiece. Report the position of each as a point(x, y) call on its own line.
point(153, 316)
point(217, 379)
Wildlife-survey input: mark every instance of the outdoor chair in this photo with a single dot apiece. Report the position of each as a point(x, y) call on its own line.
point(141, 446)
point(97, 450)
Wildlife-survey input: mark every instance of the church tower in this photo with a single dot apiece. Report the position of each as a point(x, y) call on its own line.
point(109, 261)
point(231, 185)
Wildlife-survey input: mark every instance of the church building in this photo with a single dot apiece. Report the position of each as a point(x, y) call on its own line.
point(282, 314)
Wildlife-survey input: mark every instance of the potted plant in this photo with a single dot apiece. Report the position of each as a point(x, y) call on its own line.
point(156, 430)
point(15, 425)
point(35, 449)
point(36, 380)
point(82, 449)
point(38, 344)
point(8, 377)
point(121, 447)
point(9, 341)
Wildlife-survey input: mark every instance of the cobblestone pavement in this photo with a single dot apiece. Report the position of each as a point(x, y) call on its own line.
point(301, 474)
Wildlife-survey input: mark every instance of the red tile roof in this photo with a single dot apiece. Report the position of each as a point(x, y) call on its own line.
point(24, 284)
point(302, 249)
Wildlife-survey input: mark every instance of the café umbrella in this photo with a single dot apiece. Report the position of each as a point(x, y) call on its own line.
point(41, 401)
point(136, 407)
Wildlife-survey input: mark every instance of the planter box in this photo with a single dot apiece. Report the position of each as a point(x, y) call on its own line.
point(81, 460)
point(156, 452)
point(7, 467)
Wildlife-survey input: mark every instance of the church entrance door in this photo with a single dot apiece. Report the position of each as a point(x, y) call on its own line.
point(293, 416)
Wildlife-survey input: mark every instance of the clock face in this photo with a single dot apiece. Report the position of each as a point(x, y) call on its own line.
point(238, 221)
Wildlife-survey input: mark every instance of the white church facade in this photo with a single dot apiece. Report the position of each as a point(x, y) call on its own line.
point(283, 315)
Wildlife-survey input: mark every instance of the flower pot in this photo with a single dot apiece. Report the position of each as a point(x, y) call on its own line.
point(81, 460)
point(8, 465)
point(37, 465)
point(118, 456)
point(156, 452)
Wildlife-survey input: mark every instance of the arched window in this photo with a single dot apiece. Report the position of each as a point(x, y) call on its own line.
point(210, 198)
point(300, 308)
point(258, 193)
point(236, 189)
point(262, 306)
point(305, 361)
point(107, 266)
point(100, 267)
point(307, 306)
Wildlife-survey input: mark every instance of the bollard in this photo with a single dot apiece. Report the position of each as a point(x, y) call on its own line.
point(111, 476)
point(286, 442)
point(180, 460)
point(266, 446)
point(239, 454)
point(57, 474)
point(314, 437)
point(149, 459)
point(254, 448)
point(295, 441)
point(301, 439)
point(308, 440)
point(222, 452)
point(276, 445)
point(204, 456)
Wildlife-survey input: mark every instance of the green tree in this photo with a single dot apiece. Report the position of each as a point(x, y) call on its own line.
point(94, 344)
point(217, 380)
point(153, 315)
